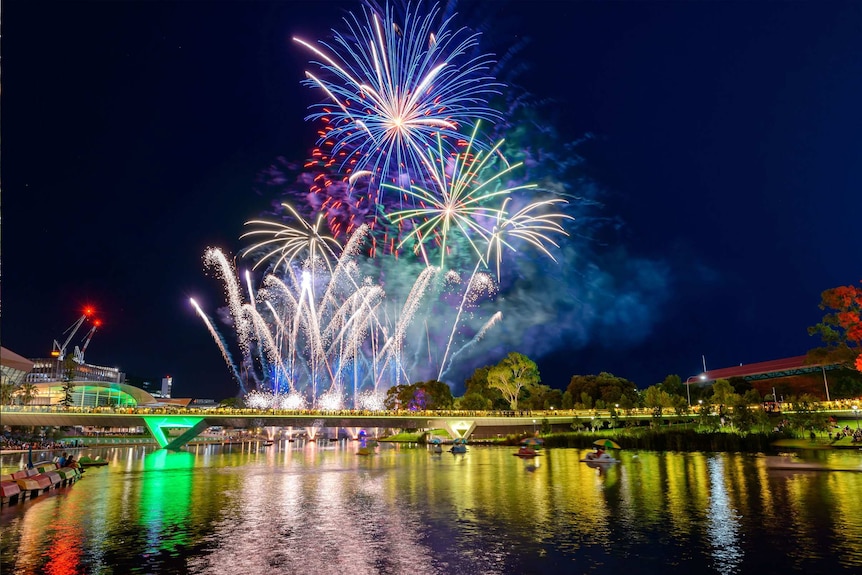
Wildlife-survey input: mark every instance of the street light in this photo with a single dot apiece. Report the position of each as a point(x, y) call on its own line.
point(701, 377)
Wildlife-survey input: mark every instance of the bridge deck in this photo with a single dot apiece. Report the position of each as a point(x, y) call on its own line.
point(458, 424)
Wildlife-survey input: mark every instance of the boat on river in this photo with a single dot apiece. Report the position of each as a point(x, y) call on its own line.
point(369, 448)
point(599, 458)
point(459, 446)
point(529, 448)
point(526, 452)
point(97, 461)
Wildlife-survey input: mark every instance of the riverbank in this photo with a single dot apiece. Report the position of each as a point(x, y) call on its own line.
point(660, 439)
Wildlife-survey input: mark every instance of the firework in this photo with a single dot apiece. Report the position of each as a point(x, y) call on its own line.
point(328, 327)
point(528, 225)
point(285, 243)
point(465, 186)
point(393, 87)
point(220, 342)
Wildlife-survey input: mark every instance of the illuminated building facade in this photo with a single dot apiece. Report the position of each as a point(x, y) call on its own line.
point(51, 369)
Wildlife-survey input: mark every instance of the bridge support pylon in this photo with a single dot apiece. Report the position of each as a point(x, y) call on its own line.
point(157, 425)
point(459, 429)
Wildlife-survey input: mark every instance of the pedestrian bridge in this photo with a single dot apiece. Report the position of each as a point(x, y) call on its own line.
point(459, 424)
point(193, 422)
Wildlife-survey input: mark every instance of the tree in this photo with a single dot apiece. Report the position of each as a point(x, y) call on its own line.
point(841, 328)
point(232, 403)
point(723, 396)
point(474, 402)
point(478, 384)
point(808, 414)
point(7, 392)
point(740, 385)
point(845, 383)
point(655, 398)
point(515, 372)
point(478, 381)
point(541, 396)
point(68, 388)
point(672, 385)
point(680, 405)
point(566, 402)
point(438, 395)
point(586, 390)
point(27, 391)
point(393, 397)
point(742, 417)
point(420, 396)
point(752, 397)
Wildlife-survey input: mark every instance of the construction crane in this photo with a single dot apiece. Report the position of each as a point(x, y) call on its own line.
point(79, 353)
point(59, 351)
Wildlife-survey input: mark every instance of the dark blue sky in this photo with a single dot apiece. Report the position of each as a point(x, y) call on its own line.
point(726, 141)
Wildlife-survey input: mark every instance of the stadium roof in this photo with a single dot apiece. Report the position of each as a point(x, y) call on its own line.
point(11, 359)
point(763, 370)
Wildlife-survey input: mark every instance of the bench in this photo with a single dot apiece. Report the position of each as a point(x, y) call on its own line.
point(9, 490)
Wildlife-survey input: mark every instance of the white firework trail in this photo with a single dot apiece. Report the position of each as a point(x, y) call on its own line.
point(214, 257)
point(219, 342)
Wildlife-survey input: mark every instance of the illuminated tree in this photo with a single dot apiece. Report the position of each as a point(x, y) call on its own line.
point(423, 395)
point(656, 398)
point(841, 328)
point(477, 385)
point(512, 375)
point(723, 396)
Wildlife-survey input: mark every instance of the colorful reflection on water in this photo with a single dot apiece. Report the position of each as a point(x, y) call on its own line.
point(321, 508)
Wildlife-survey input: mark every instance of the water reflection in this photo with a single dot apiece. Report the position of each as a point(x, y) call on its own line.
point(165, 497)
point(312, 508)
point(723, 521)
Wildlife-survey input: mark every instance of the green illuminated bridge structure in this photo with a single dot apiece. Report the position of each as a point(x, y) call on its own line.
point(193, 422)
point(459, 424)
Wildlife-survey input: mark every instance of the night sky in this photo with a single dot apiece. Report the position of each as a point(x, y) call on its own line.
point(725, 148)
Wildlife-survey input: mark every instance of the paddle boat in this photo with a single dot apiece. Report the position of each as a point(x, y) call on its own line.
point(526, 452)
point(369, 448)
point(97, 461)
point(600, 455)
point(529, 448)
point(436, 448)
point(459, 446)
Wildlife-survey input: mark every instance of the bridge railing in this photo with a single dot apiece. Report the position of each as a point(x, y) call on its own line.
point(832, 406)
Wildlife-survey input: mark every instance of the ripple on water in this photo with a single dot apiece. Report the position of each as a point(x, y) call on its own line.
point(306, 510)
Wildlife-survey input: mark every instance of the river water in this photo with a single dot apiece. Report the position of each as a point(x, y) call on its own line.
point(321, 508)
